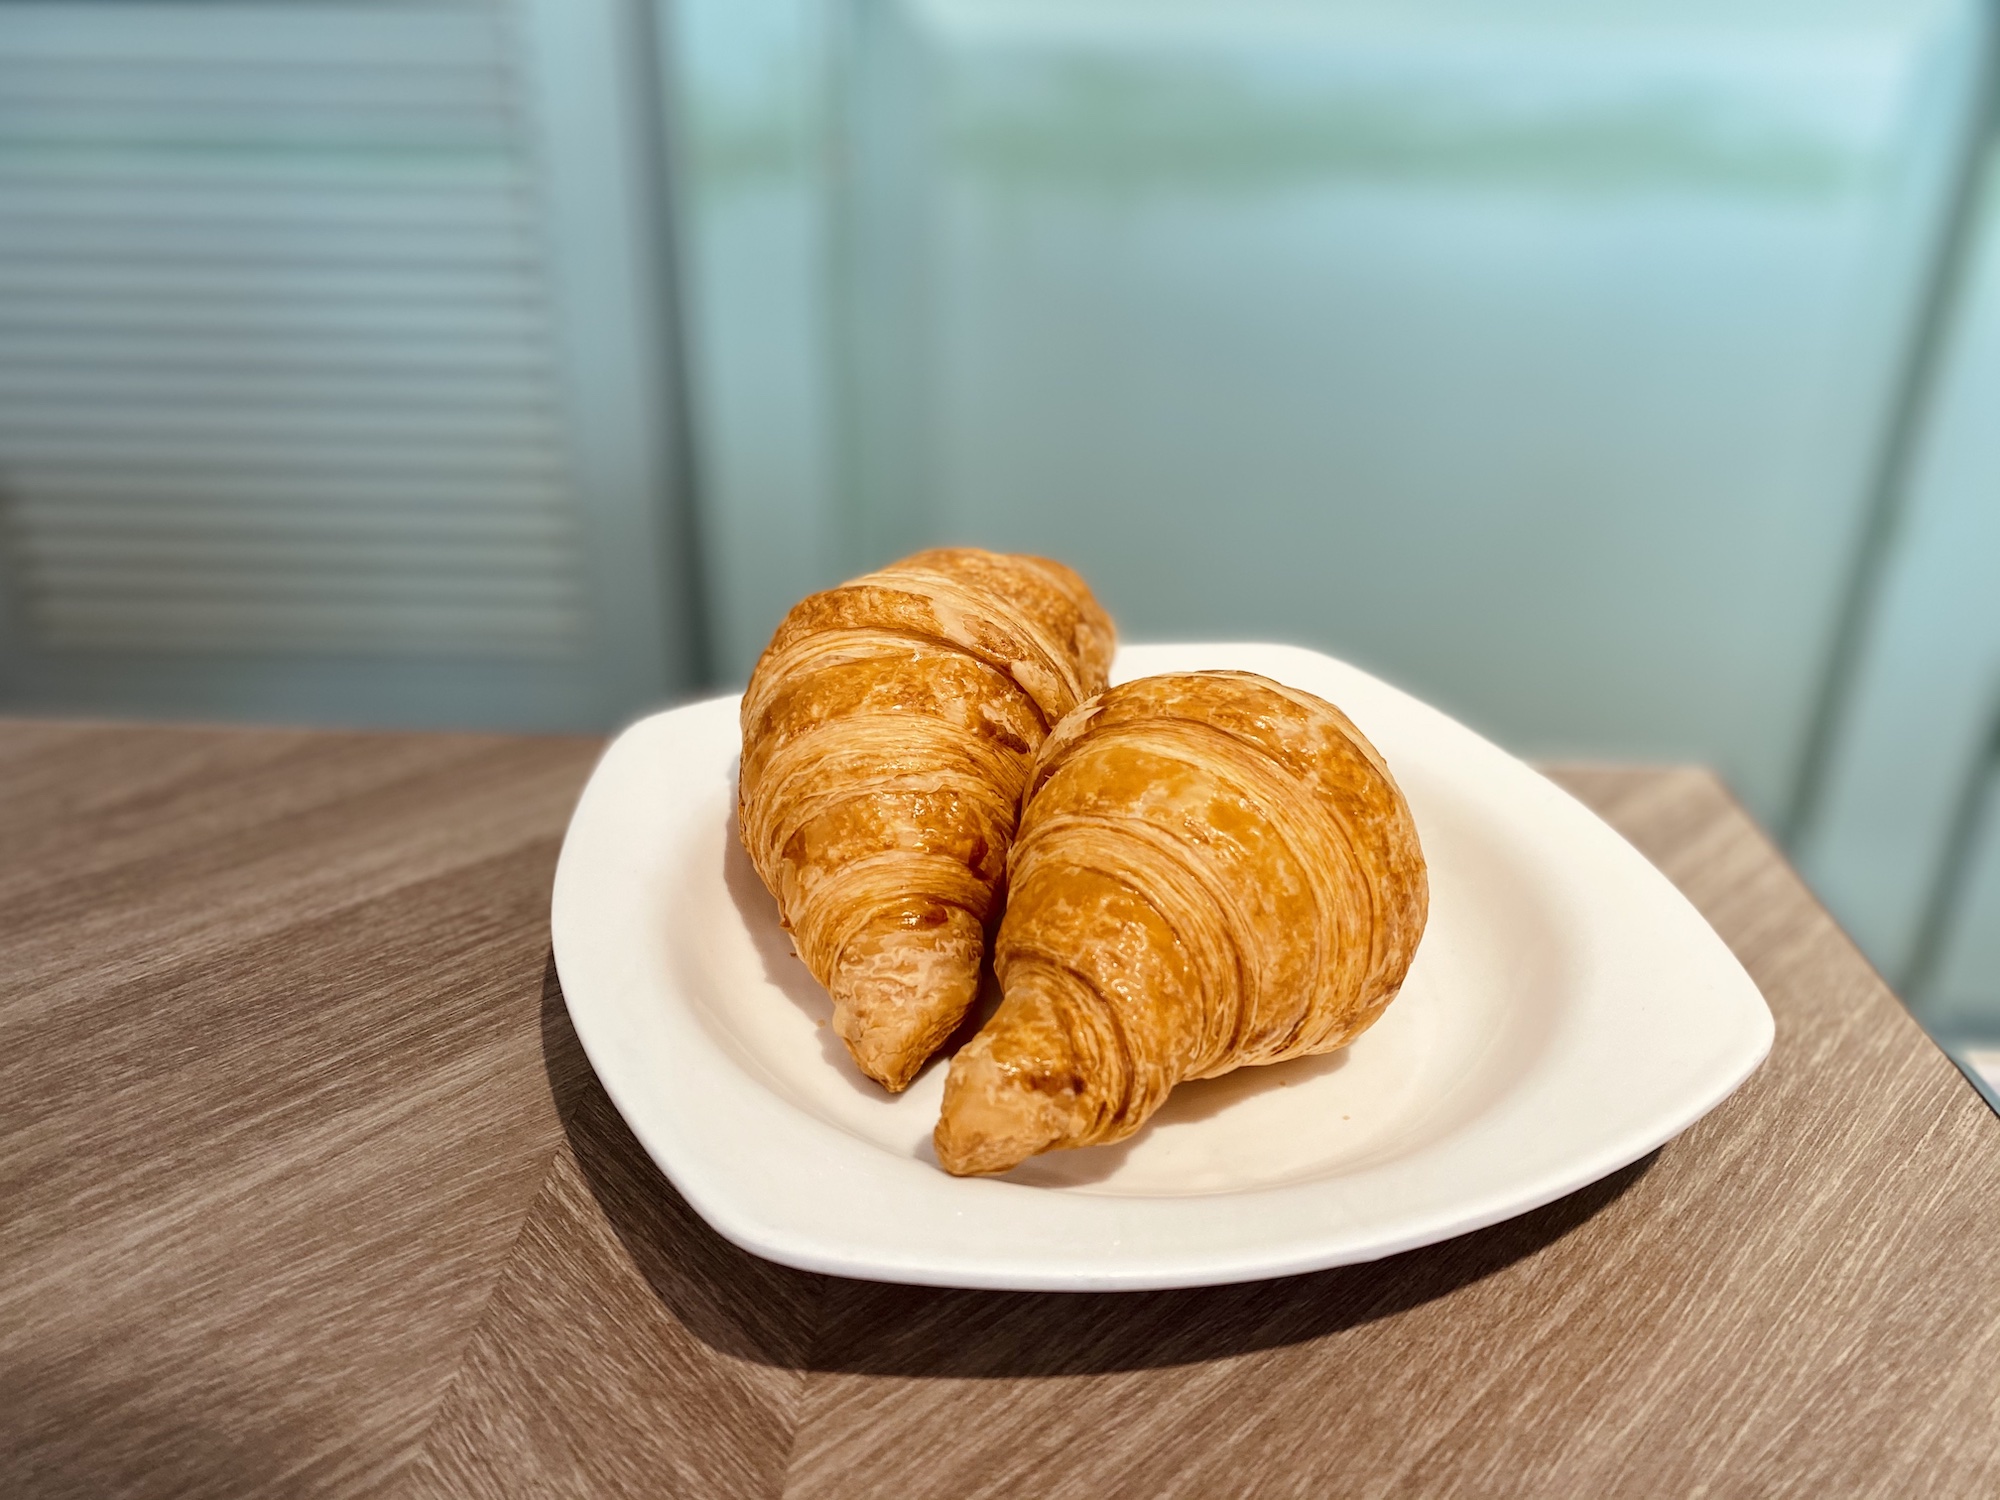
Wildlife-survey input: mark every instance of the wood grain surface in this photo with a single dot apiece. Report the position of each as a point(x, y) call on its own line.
point(308, 1191)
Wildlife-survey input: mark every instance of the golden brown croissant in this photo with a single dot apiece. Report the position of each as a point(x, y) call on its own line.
point(1212, 870)
point(887, 733)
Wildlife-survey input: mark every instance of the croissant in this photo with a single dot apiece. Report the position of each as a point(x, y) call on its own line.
point(1212, 870)
point(888, 730)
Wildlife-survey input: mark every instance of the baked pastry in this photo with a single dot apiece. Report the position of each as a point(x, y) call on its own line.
point(1212, 870)
point(887, 733)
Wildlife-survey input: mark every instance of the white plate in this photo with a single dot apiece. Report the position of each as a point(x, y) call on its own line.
point(1568, 1011)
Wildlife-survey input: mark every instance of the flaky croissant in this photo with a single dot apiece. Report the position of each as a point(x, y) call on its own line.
point(887, 733)
point(1212, 870)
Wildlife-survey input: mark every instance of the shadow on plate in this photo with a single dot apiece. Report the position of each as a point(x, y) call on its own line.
point(751, 1308)
point(1201, 1099)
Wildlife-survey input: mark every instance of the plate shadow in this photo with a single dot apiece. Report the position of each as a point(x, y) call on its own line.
point(725, 1296)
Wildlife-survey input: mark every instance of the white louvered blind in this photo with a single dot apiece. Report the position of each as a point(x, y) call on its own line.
point(277, 364)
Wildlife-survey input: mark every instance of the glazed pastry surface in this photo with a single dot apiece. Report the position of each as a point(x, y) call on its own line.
point(1212, 870)
point(888, 731)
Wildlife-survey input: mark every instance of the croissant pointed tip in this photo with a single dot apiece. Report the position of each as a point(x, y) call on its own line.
point(993, 1118)
point(1015, 1090)
point(900, 990)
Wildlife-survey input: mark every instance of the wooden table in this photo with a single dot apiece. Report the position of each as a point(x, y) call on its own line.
point(308, 1190)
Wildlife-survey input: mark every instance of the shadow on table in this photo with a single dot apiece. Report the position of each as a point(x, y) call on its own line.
point(748, 1307)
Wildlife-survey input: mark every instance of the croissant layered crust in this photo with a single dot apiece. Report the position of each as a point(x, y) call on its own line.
point(1212, 870)
point(888, 732)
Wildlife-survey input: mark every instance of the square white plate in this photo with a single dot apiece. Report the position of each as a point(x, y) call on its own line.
point(1568, 1011)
